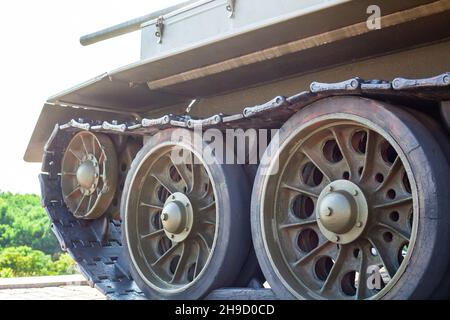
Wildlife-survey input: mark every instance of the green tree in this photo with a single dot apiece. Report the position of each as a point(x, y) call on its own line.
point(64, 265)
point(24, 222)
point(23, 261)
point(28, 246)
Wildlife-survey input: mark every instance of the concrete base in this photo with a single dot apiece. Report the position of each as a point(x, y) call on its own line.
point(42, 282)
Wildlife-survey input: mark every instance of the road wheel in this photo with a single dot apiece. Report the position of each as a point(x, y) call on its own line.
point(89, 174)
point(354, 204)
point(186, 228)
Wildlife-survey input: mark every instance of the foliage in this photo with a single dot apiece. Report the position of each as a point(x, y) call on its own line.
point(24, 222)
point(28, 247)
point(23, 261)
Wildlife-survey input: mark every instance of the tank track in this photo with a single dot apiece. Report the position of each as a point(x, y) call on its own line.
point(96, 245)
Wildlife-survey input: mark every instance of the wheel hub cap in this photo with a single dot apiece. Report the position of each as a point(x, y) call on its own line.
point(177, 217)
point(87, 174)
point(342, 211)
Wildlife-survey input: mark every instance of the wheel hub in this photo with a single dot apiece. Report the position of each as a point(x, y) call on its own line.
point(342, 211)
point(177, 217)
point(88, 174)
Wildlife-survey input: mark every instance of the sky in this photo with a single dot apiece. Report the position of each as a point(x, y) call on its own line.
point(40, 55)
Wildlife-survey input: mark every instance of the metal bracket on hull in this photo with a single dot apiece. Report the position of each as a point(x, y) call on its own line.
point(159, 29)
point(231, 7)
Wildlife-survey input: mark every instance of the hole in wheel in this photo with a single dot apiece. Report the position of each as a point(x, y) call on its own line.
point(359, 141)
point(391, 194)
point(379, 178)
point(191, 272)
point(156, 220)
point(388, 153)
point(307, 240)
point(356, 252)
point(174, 175)
point(174, 264)
point(402, 253)
point(123, 167)
point(387, 236)
point(162, 194)
point(360, 170)
point(348, 283)
point(410, 219)
point(373, 251)
point(302, 207)
point(332, 152)
point(394, 216)
point(323, 267)
point(346, 175)
point(164, 244)
point(310, 175)
point(406, 183)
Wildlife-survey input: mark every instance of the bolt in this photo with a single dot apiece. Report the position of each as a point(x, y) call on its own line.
point(187, 205)
point(165, 217)
point(328, 211)
point(355, 193)
point(359, 224)
point(330, 188)
point(446, 79)
point(172, 236)
point(173, 197)
point(96, 175)
point(337, 238)
point(186, 229)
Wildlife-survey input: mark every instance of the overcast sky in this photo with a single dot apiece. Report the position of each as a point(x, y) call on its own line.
point(40, 55)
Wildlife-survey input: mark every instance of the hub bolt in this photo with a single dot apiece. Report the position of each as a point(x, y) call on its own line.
point(165, 216)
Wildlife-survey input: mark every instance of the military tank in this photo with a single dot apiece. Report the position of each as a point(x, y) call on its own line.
point(350, 198)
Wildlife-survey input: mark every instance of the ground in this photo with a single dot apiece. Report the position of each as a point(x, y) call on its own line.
point(72, 292)
point(72, 287)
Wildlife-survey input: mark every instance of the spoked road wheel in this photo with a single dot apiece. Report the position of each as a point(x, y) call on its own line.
point(358, 205)
point(185, 220)
point(89, 174)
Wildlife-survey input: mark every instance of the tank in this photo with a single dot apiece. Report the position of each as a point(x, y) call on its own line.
point(259, 150)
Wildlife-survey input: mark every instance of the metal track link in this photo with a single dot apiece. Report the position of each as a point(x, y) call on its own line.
point(96, 244)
